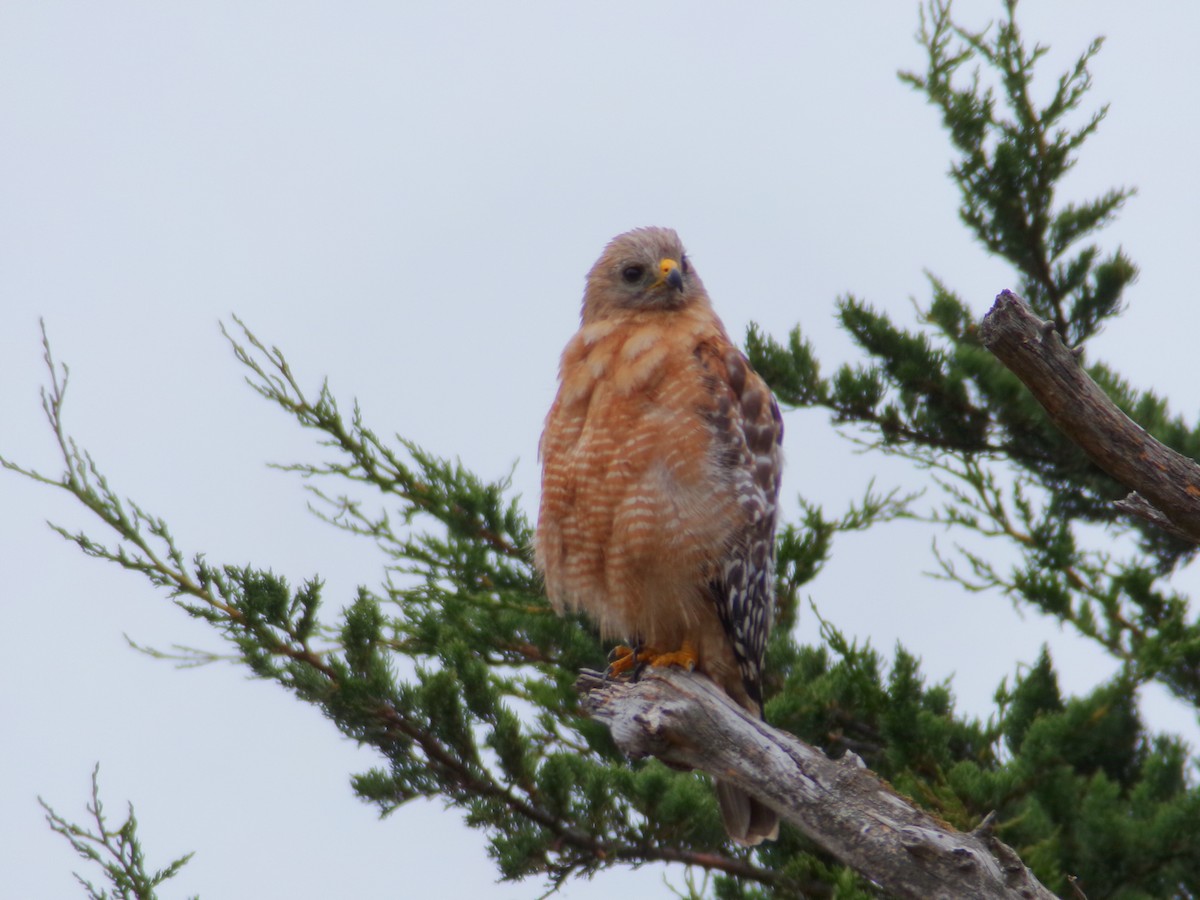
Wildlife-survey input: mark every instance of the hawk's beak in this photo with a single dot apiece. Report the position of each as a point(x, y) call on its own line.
point(671, 273)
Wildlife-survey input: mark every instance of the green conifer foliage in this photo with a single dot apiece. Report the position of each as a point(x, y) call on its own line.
point(459, 676)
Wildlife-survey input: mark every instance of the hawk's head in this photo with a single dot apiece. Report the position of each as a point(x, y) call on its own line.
point(643, 269)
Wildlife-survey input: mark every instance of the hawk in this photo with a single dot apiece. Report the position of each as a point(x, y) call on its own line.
point(661, 461)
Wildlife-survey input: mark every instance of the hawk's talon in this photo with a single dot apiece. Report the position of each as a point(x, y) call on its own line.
point(621, 659)
point(625, 660)
point(684, 658)
point(619, 652)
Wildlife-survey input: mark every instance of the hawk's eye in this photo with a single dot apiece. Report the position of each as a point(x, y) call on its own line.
point(684, 264)
point(633, 274)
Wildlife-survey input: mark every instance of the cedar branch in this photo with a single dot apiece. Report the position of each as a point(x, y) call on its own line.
point(1164, 485)
point(684, 720)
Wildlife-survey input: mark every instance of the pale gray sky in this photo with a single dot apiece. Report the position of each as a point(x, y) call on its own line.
point(405, 199)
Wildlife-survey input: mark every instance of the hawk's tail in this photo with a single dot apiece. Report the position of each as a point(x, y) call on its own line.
point(746, 819)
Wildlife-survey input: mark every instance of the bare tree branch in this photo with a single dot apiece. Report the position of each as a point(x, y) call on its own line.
point(1137, 505)
point(684, 720)
point(1165, 486)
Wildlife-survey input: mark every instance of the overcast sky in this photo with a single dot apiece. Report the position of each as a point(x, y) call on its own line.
point(405, 199)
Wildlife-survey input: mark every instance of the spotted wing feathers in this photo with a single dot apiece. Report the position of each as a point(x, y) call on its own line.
point(749, 434)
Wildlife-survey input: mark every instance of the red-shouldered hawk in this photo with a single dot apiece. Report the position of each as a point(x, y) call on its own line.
point(661, 464)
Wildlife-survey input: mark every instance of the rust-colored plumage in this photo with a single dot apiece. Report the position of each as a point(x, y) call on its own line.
point(661, 465)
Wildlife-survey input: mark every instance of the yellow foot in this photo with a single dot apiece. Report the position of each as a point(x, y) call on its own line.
point(623, 659)
point(684, 657)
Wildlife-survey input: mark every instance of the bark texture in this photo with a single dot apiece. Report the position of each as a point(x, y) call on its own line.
point(684, 720)
point(1164, 485)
